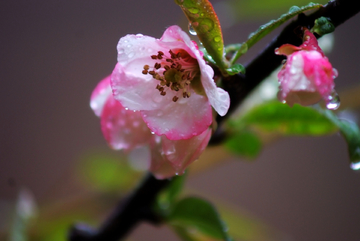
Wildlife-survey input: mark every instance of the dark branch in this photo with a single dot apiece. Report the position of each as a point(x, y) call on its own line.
point(126, 216)
point(138, 206)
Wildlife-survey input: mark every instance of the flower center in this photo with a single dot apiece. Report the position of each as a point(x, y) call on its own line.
point(175, 72)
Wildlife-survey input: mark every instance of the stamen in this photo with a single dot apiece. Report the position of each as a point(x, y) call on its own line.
point(174, 71)
point(157, 66)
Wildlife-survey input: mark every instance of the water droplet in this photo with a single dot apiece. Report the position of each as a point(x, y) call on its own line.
point(284, 101)
point(355, 166)
point(217, 39)
point(294, 9)
point(130, 55)
point(152, 133)
point(176, 173)
point(193, 10)
point(121, 51)
point(192, 30)
point(333, 101)
point(128, 46)
point(335, 73)
point(139, 35)
point(126, 108)
point(277, 51)
point(142, 48)
point(206, 25)
point(283, 61)
point(251, 35)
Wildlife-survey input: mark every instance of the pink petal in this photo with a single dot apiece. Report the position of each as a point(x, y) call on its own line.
point(176, 156)
point(286, 49)
point(135, 92)
point(319, 70)
point(100, 95)
point(183, 119)
point(218, 98)
point(310, 43)
point(123, 129)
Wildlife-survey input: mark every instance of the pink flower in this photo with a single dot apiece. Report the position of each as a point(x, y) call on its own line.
point(168, 81)
point(307, 77)
point(125, 130)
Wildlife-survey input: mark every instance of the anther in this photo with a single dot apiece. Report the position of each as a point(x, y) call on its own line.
point(167, 67)
point(144, 71)
point(175, 98)
point(146, 67)
point(178, 67)
point(169, 60)
point(154, 56)
point(163, 93)
point(157, 66)
point(152, 72)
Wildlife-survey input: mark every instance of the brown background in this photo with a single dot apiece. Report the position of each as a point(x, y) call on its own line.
point(53, 53)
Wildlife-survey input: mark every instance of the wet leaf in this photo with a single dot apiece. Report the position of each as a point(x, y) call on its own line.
point(166, 199)
point(106, 172)
point(265, 29)
point(281, 118)
point(244, 143)
point(198, 215)
point(350, 132)
point(262, 9)
point(205, 24)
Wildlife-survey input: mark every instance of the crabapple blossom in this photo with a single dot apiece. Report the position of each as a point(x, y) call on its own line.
point(307, 76)
point(168, 81)
point(126, 130)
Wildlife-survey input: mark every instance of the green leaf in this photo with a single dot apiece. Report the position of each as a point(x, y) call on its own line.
point(323, 26)
point(286, 120)
point(351, 133)
point(198, 214)
point(167, 197)
point(272, 25)
point(204, 21)
point(235, 69)
point(262, 9)
point(244, 143)
point(108, 173)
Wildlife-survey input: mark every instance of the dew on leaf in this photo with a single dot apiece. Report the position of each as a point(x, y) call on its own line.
point(206, 25)
point(193, 10)
point(191, 29)
point(294, 9)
